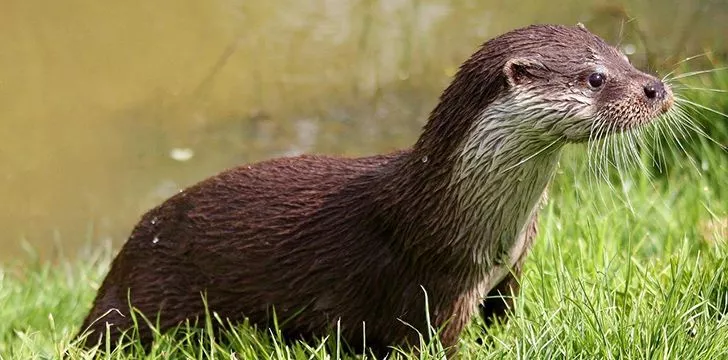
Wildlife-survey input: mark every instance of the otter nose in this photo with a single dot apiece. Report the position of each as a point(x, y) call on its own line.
point(655, 90)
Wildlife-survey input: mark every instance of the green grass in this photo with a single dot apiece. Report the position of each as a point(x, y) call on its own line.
point(646, 279)
point(635, 268)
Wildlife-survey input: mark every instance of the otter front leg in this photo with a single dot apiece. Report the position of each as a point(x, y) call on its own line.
point(500, 299)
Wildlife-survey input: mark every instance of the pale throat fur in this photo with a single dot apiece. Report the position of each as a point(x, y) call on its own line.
point(506, 160)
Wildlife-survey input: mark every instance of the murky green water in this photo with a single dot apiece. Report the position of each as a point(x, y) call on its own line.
point(109, 107)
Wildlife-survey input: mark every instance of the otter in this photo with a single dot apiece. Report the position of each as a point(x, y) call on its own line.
point(383, 248)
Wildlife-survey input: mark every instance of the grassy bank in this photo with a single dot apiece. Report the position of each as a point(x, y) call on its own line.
point(608, 278)
point(635, 268)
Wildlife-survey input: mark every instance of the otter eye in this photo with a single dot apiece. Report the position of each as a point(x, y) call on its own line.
point(596, 80)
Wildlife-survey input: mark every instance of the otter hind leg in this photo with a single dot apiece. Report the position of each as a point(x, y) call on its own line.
point(107, 319)
point(111, 319)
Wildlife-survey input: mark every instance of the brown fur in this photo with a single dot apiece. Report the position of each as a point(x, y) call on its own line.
point(325, 239)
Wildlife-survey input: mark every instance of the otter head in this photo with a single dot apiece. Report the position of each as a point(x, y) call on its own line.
point(575, 85)
point(549, 82)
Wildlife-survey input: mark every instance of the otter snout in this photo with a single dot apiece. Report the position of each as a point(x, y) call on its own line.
point(657, 92)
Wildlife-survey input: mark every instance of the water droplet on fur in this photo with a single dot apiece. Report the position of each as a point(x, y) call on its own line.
point(424, 159)
point(156, 240)
point(154, 220)
point(629, 49)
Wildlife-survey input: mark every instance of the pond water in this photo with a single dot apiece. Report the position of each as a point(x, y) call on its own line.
point(109, 107)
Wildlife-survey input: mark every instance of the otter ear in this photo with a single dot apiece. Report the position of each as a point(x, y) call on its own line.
point(520, 70)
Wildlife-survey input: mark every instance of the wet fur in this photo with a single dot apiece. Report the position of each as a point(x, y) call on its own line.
point(326, 239)
point(258, 236)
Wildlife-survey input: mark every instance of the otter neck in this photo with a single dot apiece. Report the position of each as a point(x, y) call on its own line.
point(486, 186)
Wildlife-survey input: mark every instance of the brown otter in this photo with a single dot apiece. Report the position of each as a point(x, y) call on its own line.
point(356, 243)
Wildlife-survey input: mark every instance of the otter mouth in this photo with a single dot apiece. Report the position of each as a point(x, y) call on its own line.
point(667, 102)
point(604, 130)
